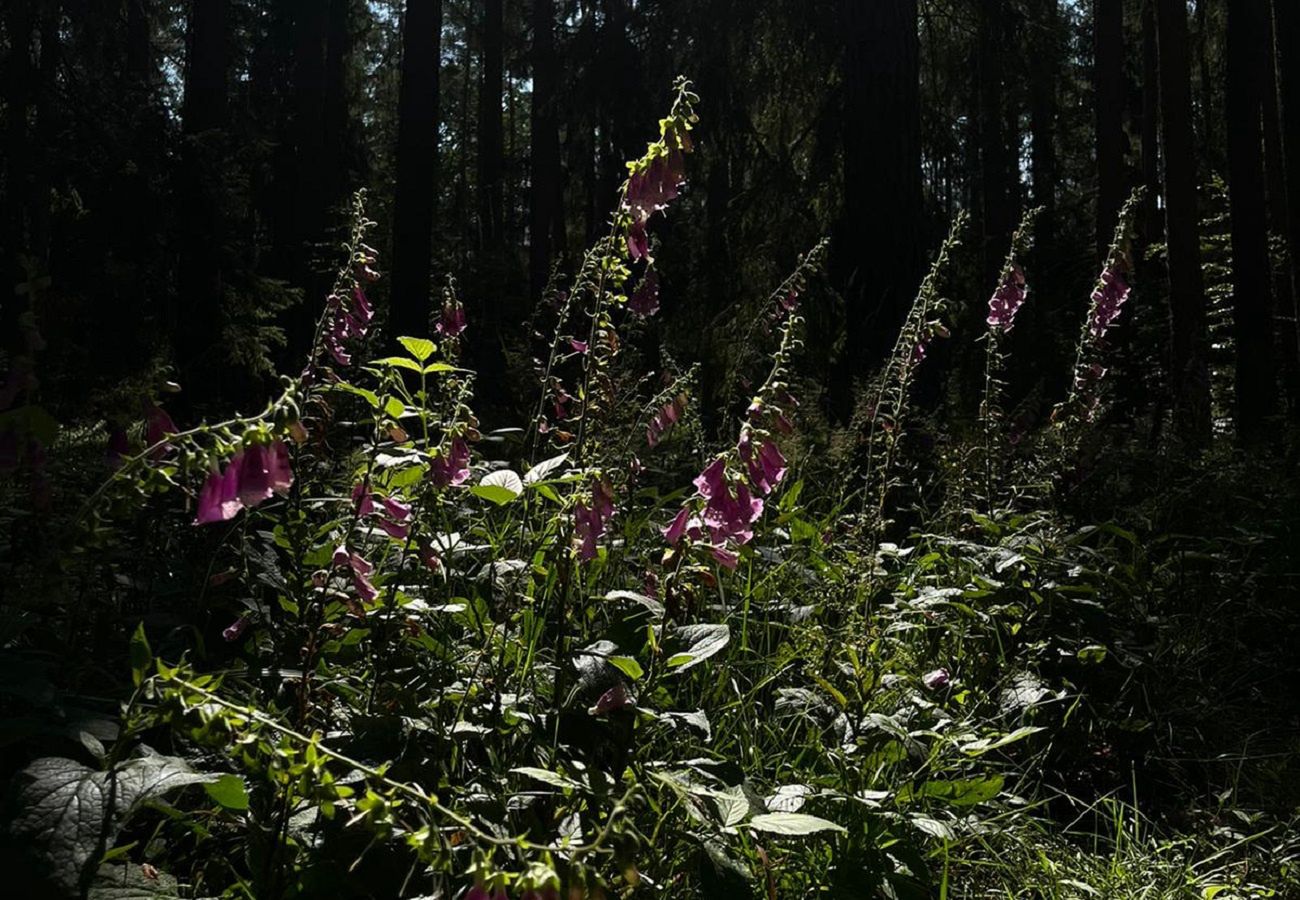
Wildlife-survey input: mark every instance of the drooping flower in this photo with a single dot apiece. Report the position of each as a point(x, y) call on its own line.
point(766, 467)
point(235, 630)
point(676, 529)
point(219, 496)
point(644, 301)
point(589, 521)
point(451, 468)
point(664, 419)
point(710, 482)
point(452, 321)
point(1107, 300)
point(254, 476)
point(1007, 300)
point(362, 500)
point(158, 424)
point(937, 679)
point(578, 346)
point(279, 468)
point(613, 700)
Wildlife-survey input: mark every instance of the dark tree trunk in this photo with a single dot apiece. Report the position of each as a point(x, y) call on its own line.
point(1109, 97)
point(875, 256)
point(417, 152)
point(20, 91)
point(1252, 301)
point(996, 213)
point(1286, 22)
point(491, 145)
point(544, 210)
point(197, 320)
point(1152, 227)
point(1189, 371)
point(1044, 75)
point(1278, 216)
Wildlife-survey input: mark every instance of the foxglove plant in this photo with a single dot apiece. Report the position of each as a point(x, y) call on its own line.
point(1007, 299)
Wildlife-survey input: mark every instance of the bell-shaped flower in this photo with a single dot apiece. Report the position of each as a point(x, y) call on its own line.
point(452, 467)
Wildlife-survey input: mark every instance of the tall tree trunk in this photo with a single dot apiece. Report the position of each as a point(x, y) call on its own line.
point(1151, 224)
point(1286, 25)
point(197, 321)
point(1109, 97)
point(1044, 75)
point(20, 91)
point(544, 156)
point(875, 257)
point(417, 161)
point(996, 214)
point(1252, 299)
point(491, 149)
point(1278, 216)
point(1189, 370)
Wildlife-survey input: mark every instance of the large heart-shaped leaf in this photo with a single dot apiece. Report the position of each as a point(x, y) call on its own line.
point(500, 487)
point(65, 815)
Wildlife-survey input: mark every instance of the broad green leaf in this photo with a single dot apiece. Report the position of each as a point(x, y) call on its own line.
point(545, 469)
point(438, 367)
point(627, 665)
point(546, 776)
point(790, 823)
point(692, 644)
point(500, 487)
point(984, 745)
point(400, 362)
point(229, 792)
point(1093, 653)
point(963, 793)
point(420, 348)
point(65, 815)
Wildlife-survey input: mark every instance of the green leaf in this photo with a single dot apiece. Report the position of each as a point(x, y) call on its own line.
point(229, 792)
point(129, 882)
point(400, 362)
point(692, 644)
point(984, 745)
point(545, 469)
point(438, 367)
point(394, 408)
point(370, 396)
point(141, 655)
point(1093, 653)
point(546, 776)
point(500, 487)
point(420, 348)
point(792, 824)
point(963, 793)
point(627, 665)
point(65, 815)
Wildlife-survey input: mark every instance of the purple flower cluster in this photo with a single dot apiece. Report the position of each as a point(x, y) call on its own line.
point(390, 514)
point(589, 521)
point(251, 476)
point(451, 322)
point(451, 468)
point(349, 320)
point(653, 187)
point(1107, 300)
point(644, 301)
point(1007, 300)
point(360, 570)
point(664, 419)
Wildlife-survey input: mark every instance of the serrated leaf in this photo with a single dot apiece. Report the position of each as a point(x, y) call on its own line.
point(791, 823)
point(66, 814)
point(500, 487)
point(438, 367)
point(545, 469)
point(420, 348)
point(692, 644)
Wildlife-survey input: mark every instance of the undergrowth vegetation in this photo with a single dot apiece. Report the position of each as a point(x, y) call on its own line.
point(362, 644)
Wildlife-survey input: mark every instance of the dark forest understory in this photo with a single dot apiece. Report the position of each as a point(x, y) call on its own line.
point(643, 448)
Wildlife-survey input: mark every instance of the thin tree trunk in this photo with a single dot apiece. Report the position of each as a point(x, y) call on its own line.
point(544, 157)
point(1278, 216)
point(1044, 74)
point(1109, 97)
point(1252, 300)
point(197, 320)
point(1286, 24)
point(1151, 224)
point(995, 202)
point(416, 164)
point(491, 150)
point(875, 257)
point(1189, 341)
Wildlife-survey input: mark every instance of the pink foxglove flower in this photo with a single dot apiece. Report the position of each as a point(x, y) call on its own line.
point(1007, 300)
point(589, 522)
point(452, 321)
point(451, 468)
point(578, 346)
point(158, 424)
point(937, 679)
point(219, 496)
point(1107, 300)
point(676, 529)
point(235, 630)
point(644, 301)
point(279, 468)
